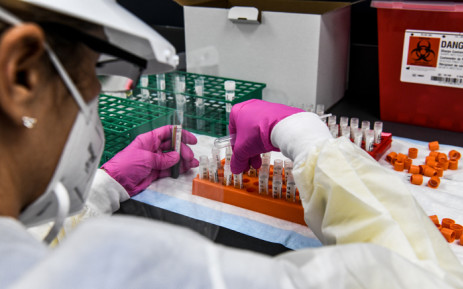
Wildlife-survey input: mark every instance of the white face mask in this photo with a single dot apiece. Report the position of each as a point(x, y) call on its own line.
point(74, 173)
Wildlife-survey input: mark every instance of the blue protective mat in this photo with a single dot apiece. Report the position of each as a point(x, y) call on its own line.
point(289, 239)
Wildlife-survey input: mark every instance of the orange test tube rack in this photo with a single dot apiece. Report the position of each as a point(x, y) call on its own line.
point(249, 197)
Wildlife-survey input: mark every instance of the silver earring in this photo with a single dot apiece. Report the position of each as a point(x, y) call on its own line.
point(29, 122)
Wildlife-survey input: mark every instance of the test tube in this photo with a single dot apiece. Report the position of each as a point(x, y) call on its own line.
point(265, 164)
point(378, 127)
point(227, 175)
point(288, 169)
point(223, 142)
point(199, 87)
point(309, 108)
point(145, 95)
point(203, 167)
point(369, 139)
point(180, 99)
point(267, 155)
point(263, 180)
point(144, 81)
point(365, 126)
point(238, 180)
point(320, 109)
point(213, 172)
point(161, 85)
point(334, 130)
point(216, 156)
point(176, 144)
point(343, 121)
point(200, 108)
point(354, 124)
point(278, 167)
point(331, 120)
point(228, 154)
point(276, 185)
point(291, 189)
point(230, 87)
point(358, 136)
point(345, 131)
point(252, 172)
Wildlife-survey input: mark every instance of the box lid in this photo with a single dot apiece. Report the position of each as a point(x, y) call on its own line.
point(294, 6)
point(443, 6)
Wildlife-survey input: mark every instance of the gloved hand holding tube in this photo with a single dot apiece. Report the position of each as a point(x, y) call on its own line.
point(143, 161)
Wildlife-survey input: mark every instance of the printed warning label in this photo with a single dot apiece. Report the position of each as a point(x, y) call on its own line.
point(433, 57)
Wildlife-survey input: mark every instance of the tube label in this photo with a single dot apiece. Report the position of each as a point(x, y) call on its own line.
point(433, 58)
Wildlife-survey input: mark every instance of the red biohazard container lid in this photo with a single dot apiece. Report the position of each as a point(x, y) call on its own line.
point(448, 6)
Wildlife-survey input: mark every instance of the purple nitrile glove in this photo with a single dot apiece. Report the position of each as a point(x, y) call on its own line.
point(143, 160)
point(252, 122)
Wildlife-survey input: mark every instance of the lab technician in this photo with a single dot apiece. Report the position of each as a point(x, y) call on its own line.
point(51, 140)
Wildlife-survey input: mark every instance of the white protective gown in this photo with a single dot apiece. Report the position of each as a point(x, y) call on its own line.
point(376, 235)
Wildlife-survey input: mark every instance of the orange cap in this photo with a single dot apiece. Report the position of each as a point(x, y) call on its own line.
point(399, 165)
point(433, 146)
point(445, 164)
point(422, 168)
point(413, 153)
point(434, 182)
point(401, 157)
point(408, 163)
point(416, 179)
point(448, 234)
point(453, 154)
point(453, 164)
point(429, 159)
point(458, 229)
point(432, 163)
point(441, 156)
point(435, 219)
point(446, 222)
point(429, 172)
point(391, 157)
point(440, 170)
point(414, 169)
point(434, 154)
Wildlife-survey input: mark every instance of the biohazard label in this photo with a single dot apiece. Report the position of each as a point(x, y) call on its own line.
point(433, 57)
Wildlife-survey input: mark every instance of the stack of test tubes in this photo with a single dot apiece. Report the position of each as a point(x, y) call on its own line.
point(279, 178)
point(374, 141)
point(270, 190)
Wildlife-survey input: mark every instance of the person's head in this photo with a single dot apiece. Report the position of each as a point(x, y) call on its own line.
point(50, 134)
point(31, 87)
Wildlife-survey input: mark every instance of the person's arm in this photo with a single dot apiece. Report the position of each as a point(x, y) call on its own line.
point(347, 196)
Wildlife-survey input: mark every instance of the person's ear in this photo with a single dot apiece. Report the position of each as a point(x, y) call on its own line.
point(21, 50)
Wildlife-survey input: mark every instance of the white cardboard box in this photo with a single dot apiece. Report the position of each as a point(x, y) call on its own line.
point(302, 55)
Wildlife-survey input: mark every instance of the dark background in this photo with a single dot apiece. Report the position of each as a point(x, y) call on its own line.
point(362, 96)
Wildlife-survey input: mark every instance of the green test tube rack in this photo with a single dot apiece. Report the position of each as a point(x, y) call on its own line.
point(124, 119)
point(212, 121)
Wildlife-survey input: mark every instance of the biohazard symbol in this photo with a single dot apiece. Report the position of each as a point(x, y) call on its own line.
point(423, 51)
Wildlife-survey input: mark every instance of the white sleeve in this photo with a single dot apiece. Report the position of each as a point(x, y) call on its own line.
point(349, 198)
point(106, 195)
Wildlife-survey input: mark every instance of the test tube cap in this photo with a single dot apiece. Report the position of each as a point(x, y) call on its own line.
point(433, 146)
point(230, 85)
